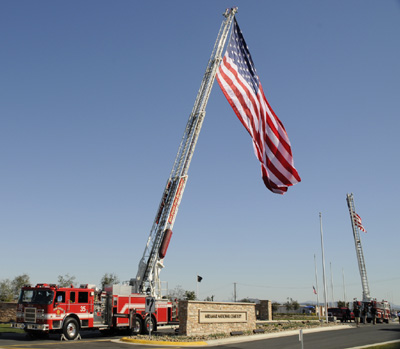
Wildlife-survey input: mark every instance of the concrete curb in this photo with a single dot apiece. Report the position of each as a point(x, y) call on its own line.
point(239, 339)
point(180, 344)
point(376, 344)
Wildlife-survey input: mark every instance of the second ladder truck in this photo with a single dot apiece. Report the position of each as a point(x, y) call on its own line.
point(47, 308)
point(370, 308)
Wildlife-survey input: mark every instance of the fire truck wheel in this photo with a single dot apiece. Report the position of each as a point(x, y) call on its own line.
point(138, 326)
point(138, 329)
point(71, 328)
point(150, 322)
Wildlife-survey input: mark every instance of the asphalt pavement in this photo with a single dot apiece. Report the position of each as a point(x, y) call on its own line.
point(332, 337)
point(237, 339)
point(242, 340)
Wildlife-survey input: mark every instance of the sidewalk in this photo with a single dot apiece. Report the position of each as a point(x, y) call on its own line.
point(235, 339)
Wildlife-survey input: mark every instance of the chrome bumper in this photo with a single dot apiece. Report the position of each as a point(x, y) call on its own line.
point(28, 326)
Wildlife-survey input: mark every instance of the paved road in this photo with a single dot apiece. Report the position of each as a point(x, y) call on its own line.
point(339, 339)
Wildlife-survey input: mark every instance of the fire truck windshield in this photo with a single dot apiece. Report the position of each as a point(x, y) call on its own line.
point(36, 296)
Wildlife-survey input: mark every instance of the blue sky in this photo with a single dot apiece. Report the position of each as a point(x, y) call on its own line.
point(95, 96)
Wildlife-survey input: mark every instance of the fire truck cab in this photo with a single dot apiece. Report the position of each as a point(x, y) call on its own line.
point(47, 308)
point(378, 310)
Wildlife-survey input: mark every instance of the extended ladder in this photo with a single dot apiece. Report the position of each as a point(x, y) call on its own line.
point(147, 278)
point(359, 251)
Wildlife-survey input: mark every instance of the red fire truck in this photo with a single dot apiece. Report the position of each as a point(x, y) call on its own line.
point(47, 308)
point(373, 309)
point(381, 310)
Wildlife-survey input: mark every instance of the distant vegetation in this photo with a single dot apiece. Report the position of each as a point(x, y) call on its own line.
point(306, 317)
point(10, 289)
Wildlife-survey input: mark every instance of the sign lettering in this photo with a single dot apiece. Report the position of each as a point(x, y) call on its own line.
point(222, 316)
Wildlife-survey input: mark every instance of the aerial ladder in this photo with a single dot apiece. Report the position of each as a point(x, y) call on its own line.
point(147, 279)
point(359, 250)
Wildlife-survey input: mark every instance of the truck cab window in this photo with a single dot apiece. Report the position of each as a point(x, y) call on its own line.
point(83, 297)
point(60, 297)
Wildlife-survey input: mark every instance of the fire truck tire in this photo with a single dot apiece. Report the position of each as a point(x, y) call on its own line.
point(147, 325)
point(71, 328)
point(138, 326)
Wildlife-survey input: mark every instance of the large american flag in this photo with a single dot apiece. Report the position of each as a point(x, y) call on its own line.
point(241, 85)
point(358, 222)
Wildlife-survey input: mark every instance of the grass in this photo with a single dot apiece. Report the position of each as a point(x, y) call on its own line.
point(6, 328)
point(287, 325)
point(294, 317)
point(385, 346)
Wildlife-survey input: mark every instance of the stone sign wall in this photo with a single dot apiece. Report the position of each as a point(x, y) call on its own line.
point(8, 311)
point(264, 310)
point(201, 318)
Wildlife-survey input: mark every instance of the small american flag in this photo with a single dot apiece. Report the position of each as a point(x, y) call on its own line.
point(240, 84)
point(314, 290)
point(358, 223)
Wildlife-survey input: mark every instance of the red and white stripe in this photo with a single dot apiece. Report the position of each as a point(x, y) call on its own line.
point(270, 140)
point(358, 223)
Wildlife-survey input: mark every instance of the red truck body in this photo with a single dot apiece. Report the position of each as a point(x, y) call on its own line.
point(47, 308)
point(342, 314)
point(381, 309)
point(374, 310)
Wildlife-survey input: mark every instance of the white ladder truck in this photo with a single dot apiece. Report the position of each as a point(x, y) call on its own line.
point(371, 309)
point(359, 250)
point(147, 279)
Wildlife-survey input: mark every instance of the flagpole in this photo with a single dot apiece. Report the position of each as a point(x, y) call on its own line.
point(344, 288)
point(316, 284)
point(323, 267)
point(332, 295)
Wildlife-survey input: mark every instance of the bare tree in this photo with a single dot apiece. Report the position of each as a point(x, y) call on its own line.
point(178, 292)
point(66, 280)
